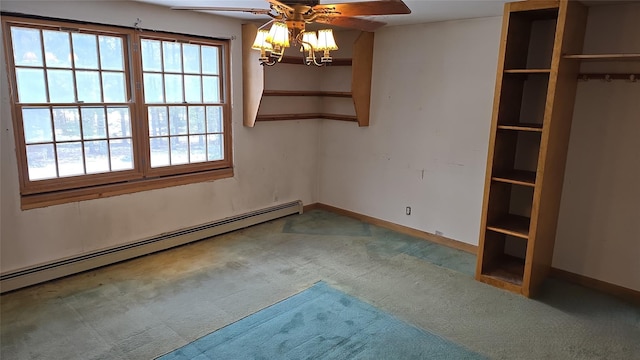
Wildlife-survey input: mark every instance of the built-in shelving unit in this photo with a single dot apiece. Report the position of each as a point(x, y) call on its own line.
point(290, 90)
point(535, 89)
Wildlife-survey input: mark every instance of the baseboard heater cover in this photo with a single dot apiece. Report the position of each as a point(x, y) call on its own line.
point(57, 269)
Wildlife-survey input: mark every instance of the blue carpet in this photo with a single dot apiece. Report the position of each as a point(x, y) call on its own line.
point(321, 323)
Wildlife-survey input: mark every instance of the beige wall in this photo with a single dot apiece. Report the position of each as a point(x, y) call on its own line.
point(274, 162)
point(427, 144)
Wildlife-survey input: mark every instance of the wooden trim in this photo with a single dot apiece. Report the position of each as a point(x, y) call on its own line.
point(102, 191)
point(621, 292)
point(310, 207)
point(455, 244)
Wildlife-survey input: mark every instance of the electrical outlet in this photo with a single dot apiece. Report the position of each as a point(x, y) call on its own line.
point(408, 210)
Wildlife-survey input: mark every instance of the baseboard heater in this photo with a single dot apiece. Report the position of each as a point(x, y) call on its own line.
point(57, 269)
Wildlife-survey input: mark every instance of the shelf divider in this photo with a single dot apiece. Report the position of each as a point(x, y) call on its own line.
point(514, 225)
point(522, 127)
point(518, 177)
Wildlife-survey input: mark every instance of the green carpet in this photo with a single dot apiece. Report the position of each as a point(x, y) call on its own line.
point(321, 323)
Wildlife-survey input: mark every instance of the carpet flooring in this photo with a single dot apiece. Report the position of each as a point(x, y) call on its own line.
point(150, 306)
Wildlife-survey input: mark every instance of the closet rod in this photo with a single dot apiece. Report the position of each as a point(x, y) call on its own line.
point(609, 77)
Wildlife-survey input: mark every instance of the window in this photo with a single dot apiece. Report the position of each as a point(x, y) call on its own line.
point(101, 111)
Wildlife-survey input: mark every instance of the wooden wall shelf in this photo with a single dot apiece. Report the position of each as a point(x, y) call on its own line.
point(307, 116)
point(282, 80)
point(343, 94)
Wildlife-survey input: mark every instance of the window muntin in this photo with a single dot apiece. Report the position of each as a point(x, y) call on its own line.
point(80, 121)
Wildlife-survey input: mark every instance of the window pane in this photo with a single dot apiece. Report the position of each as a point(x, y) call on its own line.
point(214, 147)
point(27, 50)
point(214, 119)
point(41, 162)
point(31, 88)
point(151, 58)
point(192, 89)
point(57, 48)
point(198, 148)
point(121, 154)
point(153, 88)
point(61, 89)
point(111, 53)
point(211, 88)
point(96, 156)
point(113, 85)
point(94, 124)
point(37, 125)
point(70, 159)
point(196, 120)
point(173, 88)
point(85, 51)
point(210, 62)
point(178, 120)
point(179, 150)
point(191, 58)
point(88, 83)
point(172, 57)
point(66, 122)
point(158, 121)
point(118, 122)
point(159, 152)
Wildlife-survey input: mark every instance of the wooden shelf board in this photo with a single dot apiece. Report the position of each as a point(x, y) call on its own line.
point(298, 60)
point(513, 225)
point(305, 116)
point(518, 177)
point(522, 127)
point(603, 57)
point(344, 94)
point(507, 269)
point(527, 71)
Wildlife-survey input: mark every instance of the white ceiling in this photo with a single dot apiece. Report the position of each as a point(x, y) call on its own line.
point(422, 11)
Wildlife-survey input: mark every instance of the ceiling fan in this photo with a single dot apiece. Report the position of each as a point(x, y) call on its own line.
point(290, 17)
point(297, 13)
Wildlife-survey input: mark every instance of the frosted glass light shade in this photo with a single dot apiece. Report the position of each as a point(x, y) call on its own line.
point(309, 38)
point(261, 43)
point(279, 35)
point(326, 40)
